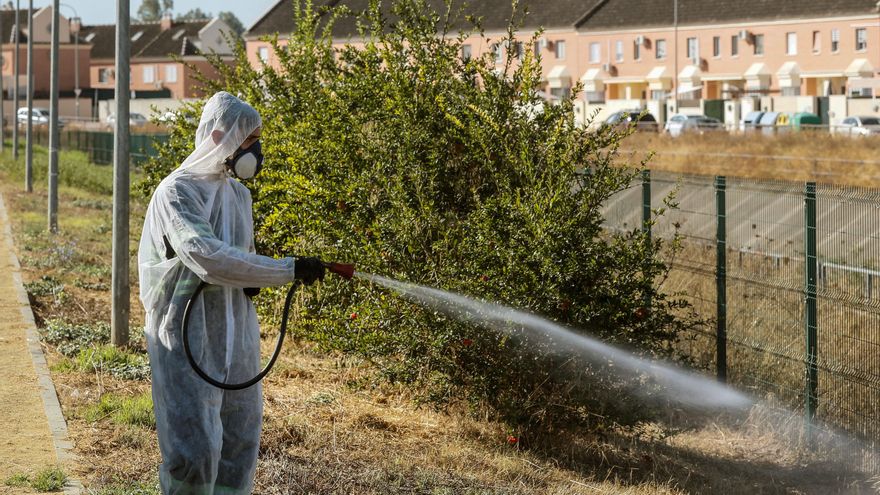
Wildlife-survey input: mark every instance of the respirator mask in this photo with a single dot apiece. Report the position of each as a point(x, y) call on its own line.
point(246, 163)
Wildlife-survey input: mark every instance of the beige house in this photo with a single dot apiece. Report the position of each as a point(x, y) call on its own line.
point(154, 71)
point(719, 57)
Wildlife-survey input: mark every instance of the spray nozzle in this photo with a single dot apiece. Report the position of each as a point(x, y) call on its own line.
point(344, 270)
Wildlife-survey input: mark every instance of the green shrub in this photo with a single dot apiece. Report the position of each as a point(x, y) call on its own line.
point(415, 164)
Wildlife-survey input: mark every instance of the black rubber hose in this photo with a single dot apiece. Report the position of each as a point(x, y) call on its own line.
point(260, 375)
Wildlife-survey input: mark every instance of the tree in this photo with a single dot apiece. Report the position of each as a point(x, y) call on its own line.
point(195, 14)
point(151, 10)
point(232, 21)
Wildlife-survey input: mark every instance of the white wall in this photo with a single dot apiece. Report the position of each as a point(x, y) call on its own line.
point(142, 106)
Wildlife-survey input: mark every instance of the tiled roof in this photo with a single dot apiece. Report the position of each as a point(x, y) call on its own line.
point(494, 15)
point(152, 42)
point(623, 14)
point(594, 14)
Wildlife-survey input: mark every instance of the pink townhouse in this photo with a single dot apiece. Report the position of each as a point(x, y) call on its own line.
point(722, 58)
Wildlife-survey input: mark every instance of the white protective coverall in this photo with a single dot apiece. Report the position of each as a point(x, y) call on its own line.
point(208, 437)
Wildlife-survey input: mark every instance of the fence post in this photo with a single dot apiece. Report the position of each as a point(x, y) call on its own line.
point(721, 278)
point(812, 372)
point(646, 202)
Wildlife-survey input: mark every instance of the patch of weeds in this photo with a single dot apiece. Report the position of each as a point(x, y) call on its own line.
point(321, 399)
point(99, 270)
point(132, 488)
point(102, 229)
point(46, 286)
point(130, 411)
point(64, 365)
point(94, 204)
point(97, 286)
point(71, 339)
point(114, 361)
point(19, 480)
point(50, 479)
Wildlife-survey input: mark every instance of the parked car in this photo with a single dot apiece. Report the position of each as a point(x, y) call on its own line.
point(644, 121)
point(39, 117)
point(680, 123)
point(860, 125)
point(134, 119)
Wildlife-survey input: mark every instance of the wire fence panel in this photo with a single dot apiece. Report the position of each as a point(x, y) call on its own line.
point(98, 145)
point(765, 287)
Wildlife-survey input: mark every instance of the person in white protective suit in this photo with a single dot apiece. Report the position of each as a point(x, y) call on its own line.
point(199, 227)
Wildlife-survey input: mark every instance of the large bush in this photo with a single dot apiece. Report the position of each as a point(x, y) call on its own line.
point(400, 156)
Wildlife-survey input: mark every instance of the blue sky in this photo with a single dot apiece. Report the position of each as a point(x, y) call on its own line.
point(104, 11)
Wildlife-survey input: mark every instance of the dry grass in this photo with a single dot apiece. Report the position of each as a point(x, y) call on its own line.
point(801, 156)
point(327, 430)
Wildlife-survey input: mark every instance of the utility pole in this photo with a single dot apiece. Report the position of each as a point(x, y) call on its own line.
point(53, 123)
point(15, 87)
point(121, 257)
point(29, 146)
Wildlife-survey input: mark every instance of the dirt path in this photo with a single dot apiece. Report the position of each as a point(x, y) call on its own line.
point(32, 429)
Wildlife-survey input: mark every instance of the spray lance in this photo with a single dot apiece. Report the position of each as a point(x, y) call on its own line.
point(344, 270)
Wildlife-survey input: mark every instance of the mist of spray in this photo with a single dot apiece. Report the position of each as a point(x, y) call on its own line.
point(678, 385)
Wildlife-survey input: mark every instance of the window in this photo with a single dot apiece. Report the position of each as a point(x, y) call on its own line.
point(716, 46)
point(104, 75)
point(170, 73)
point(520, 50)
point(637, 50)
point(149, 73)
point(792, 91)
point(692, 51)
point(759, 44)
point(660, 49)
point(835, 40)
point(618, 51)
point(791, 43)
point(817, 41)
point(861, 39)
point(466, 52)
point(734, 45)
point(263, 54)
point(560, 50)
point(595, 96)
point(498, 51)
point(595, 53)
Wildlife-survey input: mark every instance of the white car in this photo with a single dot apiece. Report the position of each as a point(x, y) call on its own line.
point(39, 117)
point(863, 125)
point(679, 123)
point(134, 119)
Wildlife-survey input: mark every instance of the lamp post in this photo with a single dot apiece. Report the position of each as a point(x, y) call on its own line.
point(675, 51)
point(15, 86)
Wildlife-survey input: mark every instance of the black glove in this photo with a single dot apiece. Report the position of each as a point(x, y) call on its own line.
point(308, 270)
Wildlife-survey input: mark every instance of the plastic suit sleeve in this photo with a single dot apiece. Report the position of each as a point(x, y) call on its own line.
point(213, 260)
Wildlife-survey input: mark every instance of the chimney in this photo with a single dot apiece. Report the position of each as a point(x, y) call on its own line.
point(166, 21)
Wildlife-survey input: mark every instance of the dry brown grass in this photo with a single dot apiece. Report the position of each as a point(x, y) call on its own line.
point(801, 156)
point(329, 430)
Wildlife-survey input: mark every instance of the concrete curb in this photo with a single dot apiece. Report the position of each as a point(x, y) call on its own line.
point(57, 424)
